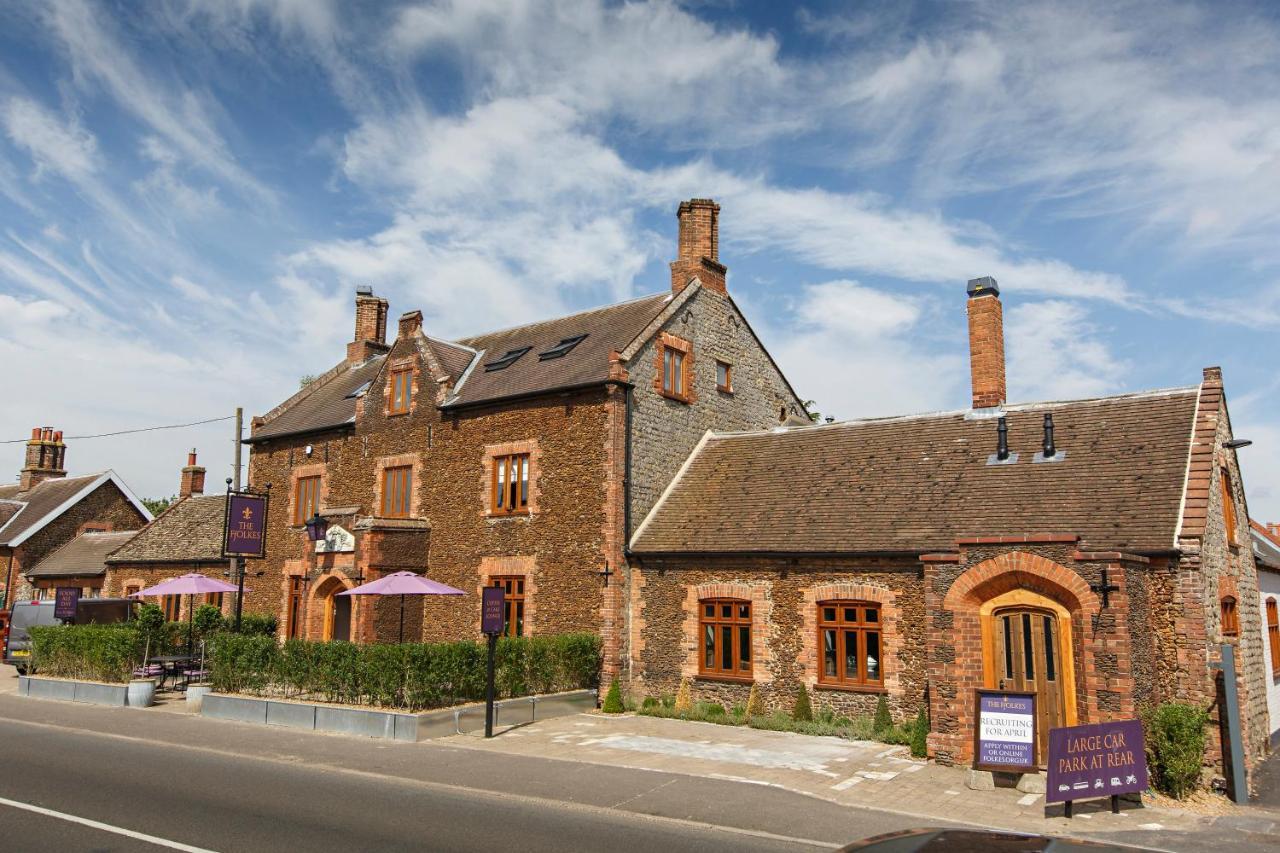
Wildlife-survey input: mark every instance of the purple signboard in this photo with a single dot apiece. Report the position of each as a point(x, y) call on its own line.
point(245, 526)
point(1004, 731)
point(492, 610)
point(65, 599)
point(1098, 760)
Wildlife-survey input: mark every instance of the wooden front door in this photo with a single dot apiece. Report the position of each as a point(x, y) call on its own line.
point(1029, 657)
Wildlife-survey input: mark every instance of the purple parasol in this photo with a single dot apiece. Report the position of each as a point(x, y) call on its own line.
point(191, 584)
point(402, 584)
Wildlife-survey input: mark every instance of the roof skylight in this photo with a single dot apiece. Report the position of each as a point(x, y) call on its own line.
point(562, 348)
point(507, 360)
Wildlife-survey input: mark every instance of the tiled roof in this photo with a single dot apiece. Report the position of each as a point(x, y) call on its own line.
point(453, 358)
point(608, 328)
point(916, 484)
point(84, 555)
point(326, 403)
point(38, 503)
point(188, 531)
point(8, 509)
point(1266, 547)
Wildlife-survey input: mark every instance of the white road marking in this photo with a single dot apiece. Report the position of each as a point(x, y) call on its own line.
point(105, 827)
point(1151, 827)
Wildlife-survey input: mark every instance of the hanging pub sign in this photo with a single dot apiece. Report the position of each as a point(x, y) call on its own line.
point(65, 601)
point(1098, 760)
point(244, 531)
point(1004, 731)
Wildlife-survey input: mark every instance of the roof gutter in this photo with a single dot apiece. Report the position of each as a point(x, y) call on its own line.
point(262, 439)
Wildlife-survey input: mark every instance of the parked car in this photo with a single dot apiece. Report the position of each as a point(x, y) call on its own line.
point(26, 614)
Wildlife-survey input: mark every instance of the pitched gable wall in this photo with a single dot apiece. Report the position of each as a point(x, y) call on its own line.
point(665, 431)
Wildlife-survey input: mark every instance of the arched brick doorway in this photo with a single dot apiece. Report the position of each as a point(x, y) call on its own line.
point(1007, 616)
point(332, 615)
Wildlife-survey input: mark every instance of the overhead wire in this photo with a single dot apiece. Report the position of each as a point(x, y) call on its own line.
point(128, 431)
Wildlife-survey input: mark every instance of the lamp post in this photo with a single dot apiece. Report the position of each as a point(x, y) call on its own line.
point(317, 526)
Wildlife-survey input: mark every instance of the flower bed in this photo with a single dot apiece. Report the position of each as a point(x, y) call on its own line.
point(405, 676)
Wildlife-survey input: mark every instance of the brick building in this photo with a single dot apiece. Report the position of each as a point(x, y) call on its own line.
point(516, 457)
point(185, 538)
point(46, 509)
point(1096, 551)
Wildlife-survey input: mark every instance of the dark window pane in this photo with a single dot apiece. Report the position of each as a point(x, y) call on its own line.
point(873, 655)
point(726, 611)
point(744, 611)
point(1008, 649)
point(1028, 652)
point(1049, 668)
point(829, 614)
point(872, 614)
point(744, 647)
point(709, 646)
point(709, 610)
point(726, 648)
point(829, 653)
point(851, 614)
point(851, 655)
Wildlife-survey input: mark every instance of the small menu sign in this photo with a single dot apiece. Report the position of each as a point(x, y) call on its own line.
point(492, 610)
point(65, 600)
point(1097, 760)
point(1004, 731)
point(245, 526)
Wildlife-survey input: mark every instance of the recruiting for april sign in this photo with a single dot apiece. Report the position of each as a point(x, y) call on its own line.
point(1004, 731)
point(245, 531)
point(1098, 760)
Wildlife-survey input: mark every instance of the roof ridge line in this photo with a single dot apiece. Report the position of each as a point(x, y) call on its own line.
point(560, 317)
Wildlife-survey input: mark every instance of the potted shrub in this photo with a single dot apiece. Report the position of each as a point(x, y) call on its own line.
point(150, 624)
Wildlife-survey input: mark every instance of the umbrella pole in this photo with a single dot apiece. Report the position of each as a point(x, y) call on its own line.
point(402, 618)
point(191, 623)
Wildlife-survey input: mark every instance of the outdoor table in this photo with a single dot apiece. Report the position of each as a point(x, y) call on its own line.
point(173, 665)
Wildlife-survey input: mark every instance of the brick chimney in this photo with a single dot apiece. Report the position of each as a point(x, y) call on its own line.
point(410, 323)
point(46, 458)
point(192, 477)
point(698, 248)
point(371, 327)
point(986, 343)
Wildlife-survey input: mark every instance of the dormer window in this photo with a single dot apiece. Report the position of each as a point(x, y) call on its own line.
point(561, 349)
point(511, 357)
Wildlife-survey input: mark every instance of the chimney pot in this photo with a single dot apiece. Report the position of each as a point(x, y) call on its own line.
point(1050, 449)
point(986, 343)
point(1002, 439)
point(698, 246)
point(35, 433)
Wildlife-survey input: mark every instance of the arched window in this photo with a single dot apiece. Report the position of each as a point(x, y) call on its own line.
point(1273, 637)
point(1230, 619)
point(725, 628)
point(850, 644)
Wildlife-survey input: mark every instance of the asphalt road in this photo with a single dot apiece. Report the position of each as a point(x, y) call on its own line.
point(206, 785)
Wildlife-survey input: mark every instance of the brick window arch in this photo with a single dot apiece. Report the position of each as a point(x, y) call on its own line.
point(865, 600)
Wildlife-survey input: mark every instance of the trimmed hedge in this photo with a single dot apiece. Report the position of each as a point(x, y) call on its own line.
point(407, 676)
point(1175, 739)
point(87, 652)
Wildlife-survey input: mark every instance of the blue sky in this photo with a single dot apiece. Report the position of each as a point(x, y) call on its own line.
point(190, 192)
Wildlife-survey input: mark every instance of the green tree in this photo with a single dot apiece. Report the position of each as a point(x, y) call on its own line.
point(803, 711)
point(155, 506)
point(920, 735)
point(613, 700)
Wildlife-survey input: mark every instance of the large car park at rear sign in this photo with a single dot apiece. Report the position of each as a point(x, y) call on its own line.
point(1098, 760)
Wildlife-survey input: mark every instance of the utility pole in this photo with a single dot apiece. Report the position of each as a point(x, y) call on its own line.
point(237, 570)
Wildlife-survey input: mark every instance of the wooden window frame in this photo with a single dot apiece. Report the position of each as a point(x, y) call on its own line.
point(401, 396)
point(172, 607)
point(306, 498)
point(674, 364)
point(1273, 636)
point(1230, 610)
point(727, 386)
point(508, 498)
point(513, 603)
point(711, 614)
point(214, 598)
point(397, 491)
point(860, 626)
point(293, 607)
point(130, 589)
point(1228, 506)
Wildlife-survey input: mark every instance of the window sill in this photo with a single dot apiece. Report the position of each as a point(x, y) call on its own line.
point(398, 414)
point(725, 391)
point(728, 679)
point(850, 688)
point(499, 516)
point(679, 398)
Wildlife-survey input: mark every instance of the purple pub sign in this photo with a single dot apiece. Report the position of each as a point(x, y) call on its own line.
point(1005, 731)
point(492, 610)
point(64, 602)
point(1098, 760)
point(245, 526)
